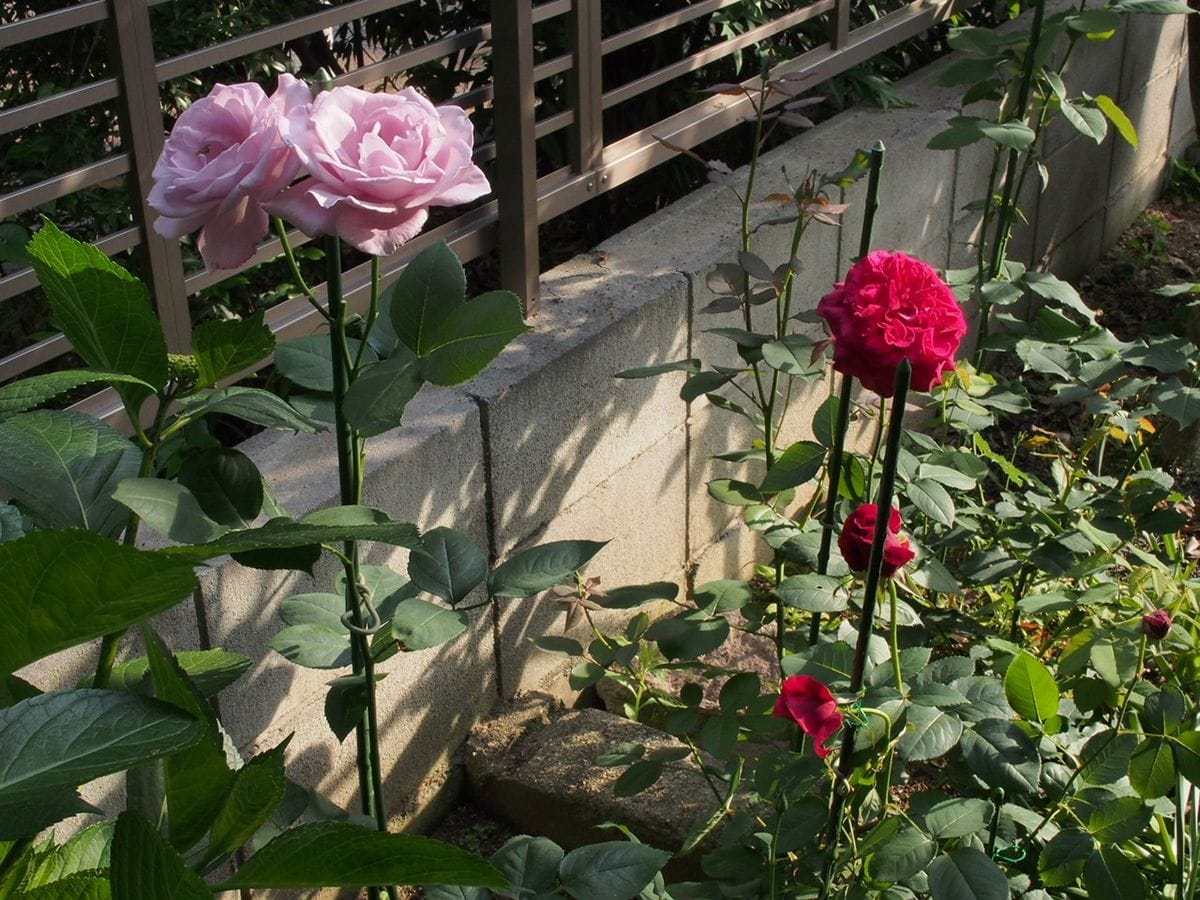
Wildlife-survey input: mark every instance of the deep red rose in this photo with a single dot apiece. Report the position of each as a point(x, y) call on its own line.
point(892, 306)
point(1155, 625)
point(858, 531)
point(810, 705)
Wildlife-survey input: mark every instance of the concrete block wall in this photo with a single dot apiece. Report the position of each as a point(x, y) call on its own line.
point(547, 445)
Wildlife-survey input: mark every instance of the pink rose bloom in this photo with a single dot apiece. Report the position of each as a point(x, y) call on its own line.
point(810, 705)
point(225, 157)
point(892, 306)
point(858, 533)
point(378, 162)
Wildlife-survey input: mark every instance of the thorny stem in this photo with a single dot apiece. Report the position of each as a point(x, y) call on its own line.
point(290, 256)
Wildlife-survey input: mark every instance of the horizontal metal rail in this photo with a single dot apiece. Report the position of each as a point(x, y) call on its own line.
point(509, 223)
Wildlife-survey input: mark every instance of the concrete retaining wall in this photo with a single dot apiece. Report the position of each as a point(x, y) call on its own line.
point(548, 445)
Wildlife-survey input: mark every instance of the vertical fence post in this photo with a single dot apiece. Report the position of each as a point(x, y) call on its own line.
point(586, 87)
point(142, 138)
point(516, 159)
point(839, 25)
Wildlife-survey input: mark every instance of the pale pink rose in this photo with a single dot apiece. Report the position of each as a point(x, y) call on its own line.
point(224, 158)
point(378, 162)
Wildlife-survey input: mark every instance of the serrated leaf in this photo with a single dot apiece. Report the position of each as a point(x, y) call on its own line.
point(1108, 875)
point(529, 863)
point(966, 873)
point(1085, 119)
point(1062, 860)
point(102, 310)
point(958, 817)
point(61, 588)
point(253, 405)
point(797, 465)
point(210, 670)
point(932, 733)
point(1003, 756)
point(1152, 768)
point(432, 284)
point(1106, 757)
point(447, 564)
point(63, 468)
point(145, 865)
point(376, 401)
point(32, 391)
point(224, 348)
point(540, 568)
point(308, 361)
point(55, 741)
point(198, 778)
point(905, 854)
point(688, 635)
point(1031, 689)
point(253, 796)
point(338, 854)
point(812, 592)
point(613, 870)
point(419, 625)
point(458, 344)
point(1122, 819)
point(169, 508)
point(932, 499)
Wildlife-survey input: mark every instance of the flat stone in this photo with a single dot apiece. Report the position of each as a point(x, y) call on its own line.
point(534, 765)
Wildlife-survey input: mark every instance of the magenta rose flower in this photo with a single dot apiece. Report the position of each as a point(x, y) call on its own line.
point(224, 158)
point(858, 532)
point(890, 307)
point(1155, 625)
point(810, 705)
point(377, 163)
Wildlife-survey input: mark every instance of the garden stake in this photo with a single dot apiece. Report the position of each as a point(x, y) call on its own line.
point(350, 473)
point(843, 410)
point(887, 486)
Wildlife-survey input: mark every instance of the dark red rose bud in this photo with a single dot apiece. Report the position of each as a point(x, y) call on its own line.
point(1155, 625)
point(858, 531)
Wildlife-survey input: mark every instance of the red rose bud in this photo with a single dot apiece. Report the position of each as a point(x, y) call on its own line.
point(892, 307)
point(810, 705)
point(1155, 625)
point(858, 531)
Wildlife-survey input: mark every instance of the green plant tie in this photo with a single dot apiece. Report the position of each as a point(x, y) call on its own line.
point(1011, 854)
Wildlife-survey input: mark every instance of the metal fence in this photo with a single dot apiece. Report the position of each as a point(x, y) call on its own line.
point(523, 197)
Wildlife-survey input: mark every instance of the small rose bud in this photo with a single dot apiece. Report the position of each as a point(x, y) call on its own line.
point(1155, 625)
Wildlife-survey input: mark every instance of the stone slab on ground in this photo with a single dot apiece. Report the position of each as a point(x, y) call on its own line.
point(534, 765)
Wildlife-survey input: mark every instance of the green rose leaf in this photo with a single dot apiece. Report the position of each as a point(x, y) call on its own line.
point(447, 564)
point(1031, 689)
point(614, 870)
point(966, 874)
point(540, 568)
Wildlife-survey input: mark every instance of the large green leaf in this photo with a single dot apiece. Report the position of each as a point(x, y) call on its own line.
point(211, 671)
point(447, 565)
point(197, 779)
point(689, 635)
point(252, 404)
point(86, 851)
point(308, 361)
point(34, 390)
point(813, 593)
point(226, 483)
point(966, 874)
point(529, 863)
point(1106, 757)
point(958, 817)
point(60, 588)
point(459, 343)
point(1003, 756)
point(169, 508)
point(429, 287)
point(613, 870)
point(256, 792)
point(1152, 768)
point(73, 887)
point(376, 401)
point(798, 464)
point(102, 310)
point(144, 865)
point(931, 733)
point(56, 741)
point(1120, 820)
point(64, 467)
point(419, 625)
point(1109, 875)
point(904, 855)
point(540, 568)
point(313, 646)
point(224, 348)
point(337, 854)
point(327, 526)
point(1031, 689)
point(1062, 860)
